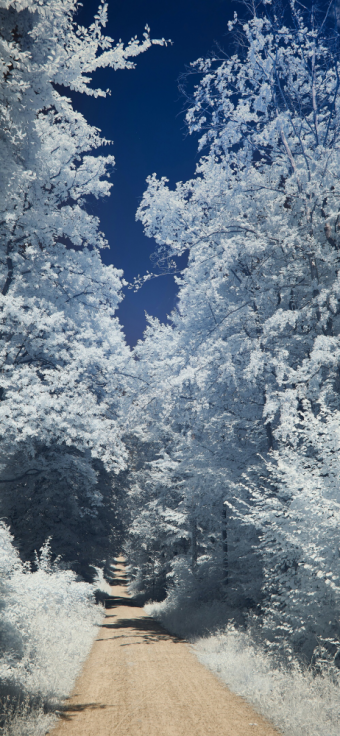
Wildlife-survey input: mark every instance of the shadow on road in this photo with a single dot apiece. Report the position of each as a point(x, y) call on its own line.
point(66, 711)
point(119, 581)
point(114, 601)
point(143, 627)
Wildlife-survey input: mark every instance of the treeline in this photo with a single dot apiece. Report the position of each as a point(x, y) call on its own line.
point(240, 500)
point(64, 362)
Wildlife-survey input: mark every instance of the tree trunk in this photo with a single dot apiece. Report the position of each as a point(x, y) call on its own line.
point(225, 571)
point(194, 543)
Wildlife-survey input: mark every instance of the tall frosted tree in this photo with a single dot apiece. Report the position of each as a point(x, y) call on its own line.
point(64, 363)
point(256, 330)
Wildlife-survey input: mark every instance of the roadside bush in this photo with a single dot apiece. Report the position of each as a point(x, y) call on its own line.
point(296, 699)
point(43, 645)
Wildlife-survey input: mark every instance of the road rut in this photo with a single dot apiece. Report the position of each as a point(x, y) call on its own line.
point(139, 680)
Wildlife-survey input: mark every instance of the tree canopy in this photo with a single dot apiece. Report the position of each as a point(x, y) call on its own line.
point(243, 383)
point(65, 378)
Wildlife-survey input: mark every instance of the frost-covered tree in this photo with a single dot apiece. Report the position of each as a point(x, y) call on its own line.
point(256, 330)
point(65, 379)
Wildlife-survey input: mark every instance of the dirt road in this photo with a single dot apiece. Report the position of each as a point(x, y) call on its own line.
point(141, 681)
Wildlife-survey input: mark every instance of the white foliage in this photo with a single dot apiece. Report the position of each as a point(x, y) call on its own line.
point(65, 370)
point(242, 387)
point(42, 645)
point(62, 350)
point(297, 702)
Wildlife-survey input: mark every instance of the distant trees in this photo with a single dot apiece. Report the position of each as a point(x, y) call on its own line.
point(243, 384)
point(68, 497)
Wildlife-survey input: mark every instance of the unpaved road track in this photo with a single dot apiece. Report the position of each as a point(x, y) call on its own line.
point(141, 681)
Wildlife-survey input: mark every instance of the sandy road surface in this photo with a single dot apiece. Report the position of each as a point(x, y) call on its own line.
point(141, 681)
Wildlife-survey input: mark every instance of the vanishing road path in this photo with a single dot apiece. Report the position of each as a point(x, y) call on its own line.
point(141, 681)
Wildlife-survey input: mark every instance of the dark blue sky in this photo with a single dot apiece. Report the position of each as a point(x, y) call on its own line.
point(144, 117)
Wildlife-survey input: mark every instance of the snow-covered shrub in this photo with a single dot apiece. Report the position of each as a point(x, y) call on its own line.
point(295, 700)
point(27, 717)
point(188, 619)
point(43, 645)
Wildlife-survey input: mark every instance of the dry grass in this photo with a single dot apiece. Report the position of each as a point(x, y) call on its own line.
point(296, 701)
